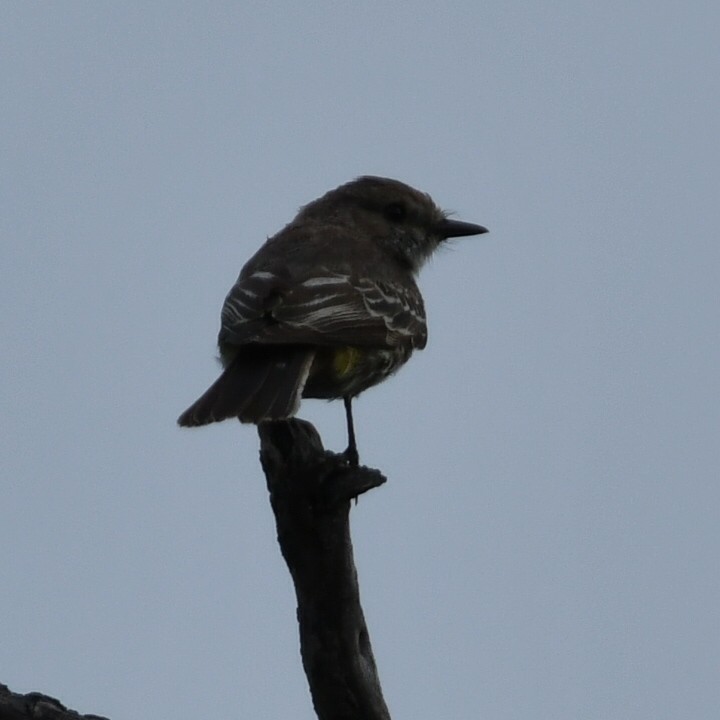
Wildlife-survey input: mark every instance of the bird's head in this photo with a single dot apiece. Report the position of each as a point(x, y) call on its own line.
point(403, 220)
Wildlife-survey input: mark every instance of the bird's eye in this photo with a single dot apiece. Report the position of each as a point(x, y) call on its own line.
point(395, 212)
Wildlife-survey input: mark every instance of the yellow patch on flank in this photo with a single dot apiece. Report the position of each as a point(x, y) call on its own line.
point(345, 360)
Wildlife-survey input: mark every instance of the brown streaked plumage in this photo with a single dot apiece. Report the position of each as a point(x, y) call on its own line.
point(329, 306)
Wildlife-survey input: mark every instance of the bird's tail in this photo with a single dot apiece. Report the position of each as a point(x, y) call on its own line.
point(261, 383)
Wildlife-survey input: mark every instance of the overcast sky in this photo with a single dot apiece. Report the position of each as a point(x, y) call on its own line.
point(547, 544)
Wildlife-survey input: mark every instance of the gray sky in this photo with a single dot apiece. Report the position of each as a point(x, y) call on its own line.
point(547, 545)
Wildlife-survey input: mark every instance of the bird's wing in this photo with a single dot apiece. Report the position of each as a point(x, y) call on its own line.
point(329, 309)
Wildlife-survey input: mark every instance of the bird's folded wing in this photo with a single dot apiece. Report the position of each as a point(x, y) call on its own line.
point(330, 309)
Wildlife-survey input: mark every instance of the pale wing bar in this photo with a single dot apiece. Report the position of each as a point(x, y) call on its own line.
point(324, 310)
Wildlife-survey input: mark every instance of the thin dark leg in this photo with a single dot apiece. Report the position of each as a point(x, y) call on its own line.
point(351, 453)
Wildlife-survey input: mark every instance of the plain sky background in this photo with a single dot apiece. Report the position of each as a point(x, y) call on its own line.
point(548, 543)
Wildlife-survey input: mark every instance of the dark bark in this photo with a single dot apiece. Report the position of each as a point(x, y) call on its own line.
point(36, 706)
point(311, 491)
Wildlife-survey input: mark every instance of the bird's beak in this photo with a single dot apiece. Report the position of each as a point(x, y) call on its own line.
point(456, 228)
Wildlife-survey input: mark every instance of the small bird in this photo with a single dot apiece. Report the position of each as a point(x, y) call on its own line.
point(327, 307)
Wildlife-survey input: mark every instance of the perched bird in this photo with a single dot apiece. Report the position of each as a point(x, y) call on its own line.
point(329, 306)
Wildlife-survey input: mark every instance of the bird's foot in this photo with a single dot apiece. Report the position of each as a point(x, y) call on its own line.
point(351, 457)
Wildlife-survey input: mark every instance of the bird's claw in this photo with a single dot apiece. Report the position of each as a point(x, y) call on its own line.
point(351, 457)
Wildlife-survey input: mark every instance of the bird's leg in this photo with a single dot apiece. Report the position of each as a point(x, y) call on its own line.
point(351, 454)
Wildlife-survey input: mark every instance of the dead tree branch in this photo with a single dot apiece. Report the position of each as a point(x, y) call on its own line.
point(311, 492)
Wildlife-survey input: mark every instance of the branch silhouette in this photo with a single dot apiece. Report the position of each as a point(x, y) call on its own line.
point(36, 706)
point(311, 491)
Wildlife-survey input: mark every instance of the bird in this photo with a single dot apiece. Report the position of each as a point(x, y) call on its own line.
point(329, 306)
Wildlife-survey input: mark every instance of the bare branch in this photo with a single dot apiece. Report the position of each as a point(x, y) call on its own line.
point(36, 706)
point(310, 493)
